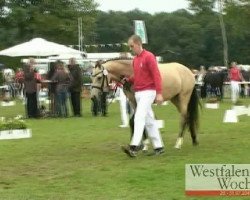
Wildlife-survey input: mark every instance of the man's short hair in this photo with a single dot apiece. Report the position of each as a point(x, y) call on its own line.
point(136, 39)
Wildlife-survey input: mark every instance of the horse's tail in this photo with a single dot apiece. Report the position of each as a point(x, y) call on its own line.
point(193, 115)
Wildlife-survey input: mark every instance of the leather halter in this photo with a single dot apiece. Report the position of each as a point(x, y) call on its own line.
point(104, 80)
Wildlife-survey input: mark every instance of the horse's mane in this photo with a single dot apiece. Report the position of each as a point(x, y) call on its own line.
point(100, 62)
point(118, 58)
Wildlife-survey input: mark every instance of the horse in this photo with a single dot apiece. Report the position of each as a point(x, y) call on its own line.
point(178, 85)
point(9, 80)
point(213, 84)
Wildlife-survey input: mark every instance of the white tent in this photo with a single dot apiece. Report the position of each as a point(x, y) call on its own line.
point(66, 56)
point(38, 47)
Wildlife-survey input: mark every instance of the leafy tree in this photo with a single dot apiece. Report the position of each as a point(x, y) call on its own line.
point(55, 20)
point(192, 37)
point(237, 15)
point(201, 5)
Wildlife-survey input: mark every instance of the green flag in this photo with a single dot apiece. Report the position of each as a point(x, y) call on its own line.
point(140, 30)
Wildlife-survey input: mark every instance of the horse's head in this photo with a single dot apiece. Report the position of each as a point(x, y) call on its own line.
point(111, 70)
point(100, 80)
point(105, 72)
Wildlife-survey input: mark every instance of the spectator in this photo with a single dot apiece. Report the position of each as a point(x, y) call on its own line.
point(62, 77)
point(235, 77)
point(30, 86)
point(75, 88)
point(19, 79)
point(52, 89)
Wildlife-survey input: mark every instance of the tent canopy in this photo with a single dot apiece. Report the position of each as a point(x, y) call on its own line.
point(38, 47)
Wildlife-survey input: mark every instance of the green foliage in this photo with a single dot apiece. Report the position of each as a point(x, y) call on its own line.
point(1, 78)
point(12, 124)
point(202, 5)
point(55, 20)
point(238, 28)
point(86, 79)
point(192, 38)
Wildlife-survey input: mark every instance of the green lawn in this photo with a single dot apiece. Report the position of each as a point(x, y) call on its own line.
point(80, 158)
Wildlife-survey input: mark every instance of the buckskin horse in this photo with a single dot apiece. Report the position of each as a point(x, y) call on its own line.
point(178, 86)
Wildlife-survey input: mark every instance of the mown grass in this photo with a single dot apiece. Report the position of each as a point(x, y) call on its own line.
point(80, 158)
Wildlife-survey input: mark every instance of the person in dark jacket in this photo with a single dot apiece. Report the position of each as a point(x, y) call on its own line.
point(75, 88)
point(52, 88)
point(62, 79)
point(30, 87)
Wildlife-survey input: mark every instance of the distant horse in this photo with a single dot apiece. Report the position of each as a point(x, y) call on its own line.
point(178, 85)
point(213, 83)
point(9, 80)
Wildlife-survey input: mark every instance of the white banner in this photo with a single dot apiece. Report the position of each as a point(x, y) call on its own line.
point(140, 30)
point(217, 179)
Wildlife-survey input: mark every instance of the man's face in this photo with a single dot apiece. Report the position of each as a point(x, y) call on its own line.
point(134, 47)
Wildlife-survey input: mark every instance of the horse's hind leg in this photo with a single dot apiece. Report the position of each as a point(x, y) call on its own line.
point(183, 120)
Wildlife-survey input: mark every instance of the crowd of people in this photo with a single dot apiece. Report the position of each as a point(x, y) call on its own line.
point(62, 82)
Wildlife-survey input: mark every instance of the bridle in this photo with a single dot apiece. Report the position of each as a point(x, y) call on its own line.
point(104, 83)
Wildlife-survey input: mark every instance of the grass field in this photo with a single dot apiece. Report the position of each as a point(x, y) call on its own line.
point(80, 158)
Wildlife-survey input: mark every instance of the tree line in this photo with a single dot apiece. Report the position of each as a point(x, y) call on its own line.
point(192, 37)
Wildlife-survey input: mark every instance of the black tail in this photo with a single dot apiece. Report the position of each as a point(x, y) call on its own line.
point(193, 115)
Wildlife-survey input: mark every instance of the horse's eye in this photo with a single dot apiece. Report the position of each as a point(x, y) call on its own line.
point(99, 78)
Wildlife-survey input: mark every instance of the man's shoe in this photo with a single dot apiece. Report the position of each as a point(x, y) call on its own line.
point(128, 150)
point(157, 152)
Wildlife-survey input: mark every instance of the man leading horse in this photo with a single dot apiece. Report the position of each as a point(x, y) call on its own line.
point(148, 89)
point(178, 86)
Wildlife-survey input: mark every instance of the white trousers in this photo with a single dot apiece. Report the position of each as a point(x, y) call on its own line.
point(235, 91)
point(144, 117)
point(123, 106)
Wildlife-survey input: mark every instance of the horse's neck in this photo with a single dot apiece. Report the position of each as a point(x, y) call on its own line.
point(119, 69)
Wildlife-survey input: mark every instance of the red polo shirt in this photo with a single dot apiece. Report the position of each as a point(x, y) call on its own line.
point(146, 73)
point(235, 74)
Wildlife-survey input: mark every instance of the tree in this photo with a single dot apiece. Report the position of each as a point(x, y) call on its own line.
point(53, 19)
point(201, 5)
point(237, 15)
point(223, 32)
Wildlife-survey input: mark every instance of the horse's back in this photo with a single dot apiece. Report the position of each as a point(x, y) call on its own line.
point(176, 79)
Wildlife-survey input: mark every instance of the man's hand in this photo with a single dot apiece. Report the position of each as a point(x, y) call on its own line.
point(124, 80)
point(159, 99)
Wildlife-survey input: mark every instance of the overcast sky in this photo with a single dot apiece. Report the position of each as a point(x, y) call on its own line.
point(150, 6)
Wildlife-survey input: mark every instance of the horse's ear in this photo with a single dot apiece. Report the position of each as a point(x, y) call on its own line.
point(99, 64)
point(96, 65)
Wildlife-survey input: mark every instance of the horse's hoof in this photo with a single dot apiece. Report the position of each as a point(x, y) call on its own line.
point(195, 143)
point(179, 143)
